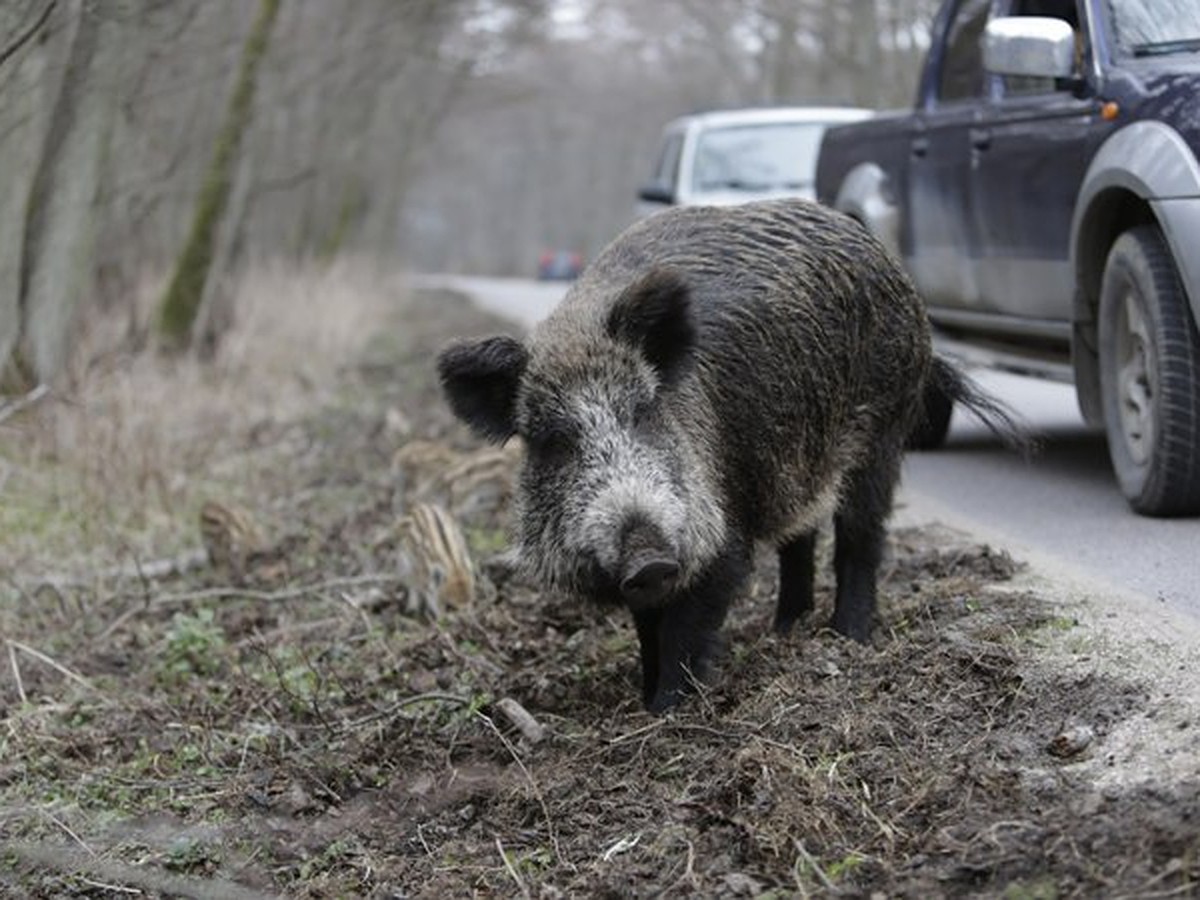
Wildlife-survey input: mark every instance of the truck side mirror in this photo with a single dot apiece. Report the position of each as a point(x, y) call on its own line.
point(1036, 46)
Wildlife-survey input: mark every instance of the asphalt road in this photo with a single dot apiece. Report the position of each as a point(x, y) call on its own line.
point(1061, 509)
point(1063, 505)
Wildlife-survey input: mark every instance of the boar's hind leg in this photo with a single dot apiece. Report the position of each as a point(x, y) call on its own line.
point(795, 581)
point(859, 535)
point(687, 630)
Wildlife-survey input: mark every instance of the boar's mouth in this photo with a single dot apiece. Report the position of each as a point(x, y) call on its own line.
point(648, 581)
point(645, 577)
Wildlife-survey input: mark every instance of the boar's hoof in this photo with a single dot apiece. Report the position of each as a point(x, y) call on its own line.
point(856, 628)
point(649, 582)
point(663, 701)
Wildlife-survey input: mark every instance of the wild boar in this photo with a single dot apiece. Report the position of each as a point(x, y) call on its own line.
point(717, 378)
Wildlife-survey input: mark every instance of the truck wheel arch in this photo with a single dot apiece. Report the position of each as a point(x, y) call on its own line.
point(1117, 194)
point(865, 194)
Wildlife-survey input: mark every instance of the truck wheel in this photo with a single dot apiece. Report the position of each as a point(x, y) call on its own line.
point(1150, 376)
point(934, 424)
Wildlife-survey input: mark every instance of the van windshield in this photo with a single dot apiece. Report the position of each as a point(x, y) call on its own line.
point(752, 158)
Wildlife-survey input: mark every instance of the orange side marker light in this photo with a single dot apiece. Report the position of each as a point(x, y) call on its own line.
point(1109, 111)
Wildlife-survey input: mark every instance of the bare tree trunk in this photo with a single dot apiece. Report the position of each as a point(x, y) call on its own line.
point(22, 124)
point(216, 313)
point(193, 269)
point(58, 235)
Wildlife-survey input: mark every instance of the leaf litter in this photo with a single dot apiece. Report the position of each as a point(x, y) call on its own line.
point(289, 720)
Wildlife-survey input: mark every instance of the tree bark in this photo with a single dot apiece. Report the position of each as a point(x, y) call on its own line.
point(57, 234)
point(182, 301)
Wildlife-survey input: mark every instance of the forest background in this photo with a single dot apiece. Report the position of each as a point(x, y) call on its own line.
point(155, 151)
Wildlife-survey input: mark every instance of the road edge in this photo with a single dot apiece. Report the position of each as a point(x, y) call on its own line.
point(1109, 631)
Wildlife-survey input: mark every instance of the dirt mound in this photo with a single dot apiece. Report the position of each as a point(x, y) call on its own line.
point(297, 724)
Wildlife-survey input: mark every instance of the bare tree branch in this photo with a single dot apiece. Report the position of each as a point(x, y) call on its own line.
point(22, 39)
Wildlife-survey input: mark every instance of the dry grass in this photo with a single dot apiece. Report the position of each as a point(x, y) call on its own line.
point(116, 467)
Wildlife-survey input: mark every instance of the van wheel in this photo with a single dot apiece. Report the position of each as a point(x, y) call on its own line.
point(934, 424)
point(1150, 376)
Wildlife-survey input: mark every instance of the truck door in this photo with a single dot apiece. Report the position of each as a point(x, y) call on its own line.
point(1028, 157)
point(937, 250)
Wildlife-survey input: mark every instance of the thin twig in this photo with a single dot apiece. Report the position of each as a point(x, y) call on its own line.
point(815, 866)
point(115, 888)
point(394, 708)
point(537, 791)
point(52, 663)
point(421, 838)
point(72, 835)
point(511, 871)
point(689, 871)
point(262, 638)
point(16, 669)
point(630, 735)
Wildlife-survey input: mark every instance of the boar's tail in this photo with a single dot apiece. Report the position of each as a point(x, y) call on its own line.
point(953, 386)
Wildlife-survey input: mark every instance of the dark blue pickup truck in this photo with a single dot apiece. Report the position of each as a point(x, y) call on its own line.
point(1044, 195)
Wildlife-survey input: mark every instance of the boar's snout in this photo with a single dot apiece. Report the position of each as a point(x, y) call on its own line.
point(649, 570)
point(649, 580)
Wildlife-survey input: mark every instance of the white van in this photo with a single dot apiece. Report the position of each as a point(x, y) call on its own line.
point(734, 156)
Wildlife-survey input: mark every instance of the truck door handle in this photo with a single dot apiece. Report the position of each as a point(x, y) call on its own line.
point(981, 138)
point(920, 146)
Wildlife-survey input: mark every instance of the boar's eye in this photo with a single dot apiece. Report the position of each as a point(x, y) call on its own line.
point(552, 444)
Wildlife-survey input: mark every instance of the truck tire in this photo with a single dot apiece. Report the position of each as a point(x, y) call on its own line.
point(1150, 376)
point(934, 424)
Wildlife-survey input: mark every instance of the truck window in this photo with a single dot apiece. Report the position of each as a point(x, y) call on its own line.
point(1151, 29)
point(961, 77)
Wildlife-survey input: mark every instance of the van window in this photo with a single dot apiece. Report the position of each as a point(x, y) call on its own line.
point(666, 170)
point(773, 157)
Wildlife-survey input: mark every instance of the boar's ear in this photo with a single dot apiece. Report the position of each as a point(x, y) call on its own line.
point(654, 315)
point(480, 379)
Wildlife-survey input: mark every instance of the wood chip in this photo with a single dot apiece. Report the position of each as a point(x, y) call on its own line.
point(531, 729)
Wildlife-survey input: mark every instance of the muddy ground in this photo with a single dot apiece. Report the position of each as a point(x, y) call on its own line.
point(320, 709)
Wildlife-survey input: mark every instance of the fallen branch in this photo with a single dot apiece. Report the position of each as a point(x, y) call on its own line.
point(66, 860)
point(12, 407)
point(157, 568)
point(284, 594)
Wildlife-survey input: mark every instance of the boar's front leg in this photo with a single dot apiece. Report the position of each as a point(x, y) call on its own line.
point(647, 622)
point(796, 572)
point(859, 530)
point(686, 630)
